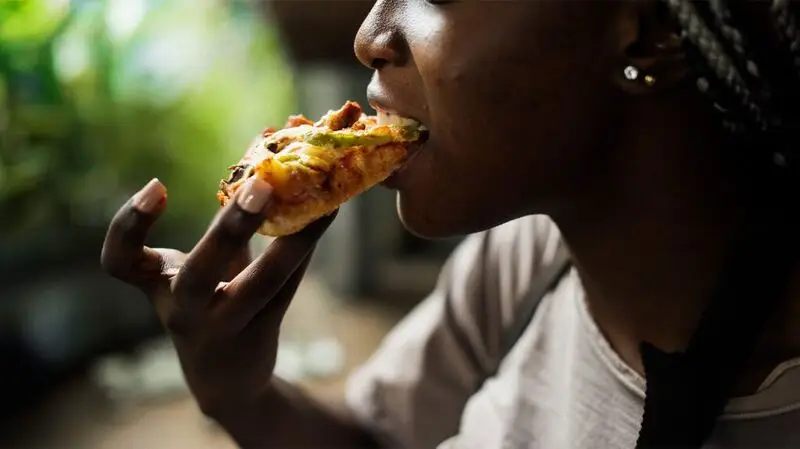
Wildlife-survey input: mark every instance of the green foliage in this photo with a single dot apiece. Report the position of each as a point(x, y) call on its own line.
point(98, 96)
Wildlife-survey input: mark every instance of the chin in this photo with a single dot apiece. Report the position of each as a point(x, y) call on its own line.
point(436, 203)
point(418, 221)
point(422, 219)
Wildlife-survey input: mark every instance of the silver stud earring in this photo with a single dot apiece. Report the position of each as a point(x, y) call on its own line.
point(633, 74)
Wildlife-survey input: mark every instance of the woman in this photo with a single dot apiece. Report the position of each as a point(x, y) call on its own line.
point(669, 198)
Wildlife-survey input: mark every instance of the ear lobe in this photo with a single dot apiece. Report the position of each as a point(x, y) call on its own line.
point(661, 69)
point(651, 46)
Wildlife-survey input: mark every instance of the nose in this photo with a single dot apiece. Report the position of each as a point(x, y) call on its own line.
point(379, 42)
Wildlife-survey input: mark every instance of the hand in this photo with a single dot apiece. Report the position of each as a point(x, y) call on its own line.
point(222, 312)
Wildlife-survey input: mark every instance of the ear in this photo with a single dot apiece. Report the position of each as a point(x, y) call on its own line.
point(647, 41)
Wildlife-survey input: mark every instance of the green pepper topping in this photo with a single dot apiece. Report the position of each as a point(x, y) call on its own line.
point(345, 140)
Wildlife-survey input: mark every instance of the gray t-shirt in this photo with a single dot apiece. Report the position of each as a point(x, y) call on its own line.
point(562, 385)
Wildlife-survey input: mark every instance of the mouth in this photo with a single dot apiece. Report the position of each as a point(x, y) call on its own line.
point(385, 117)
point(388, 116)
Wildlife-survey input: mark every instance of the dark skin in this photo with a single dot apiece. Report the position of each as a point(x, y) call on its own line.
point(529, 112)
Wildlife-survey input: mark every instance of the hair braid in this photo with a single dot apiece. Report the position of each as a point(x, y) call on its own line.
point(786, 25)
point(769, 68)
point(740, 109)
point(709, 365)
point(726, 15)
point(715, 91)
point(734, 113)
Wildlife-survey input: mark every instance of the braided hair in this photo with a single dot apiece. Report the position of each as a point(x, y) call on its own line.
point(756, 89)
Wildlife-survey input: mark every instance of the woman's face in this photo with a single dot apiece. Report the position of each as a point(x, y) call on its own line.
point(517, 96)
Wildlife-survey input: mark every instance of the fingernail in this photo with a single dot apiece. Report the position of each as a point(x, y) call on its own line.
point(151, 195)
point(254, 195)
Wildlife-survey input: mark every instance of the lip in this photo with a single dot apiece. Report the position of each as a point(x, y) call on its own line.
point(396, 180)
point(381, 107)
point(381, 101)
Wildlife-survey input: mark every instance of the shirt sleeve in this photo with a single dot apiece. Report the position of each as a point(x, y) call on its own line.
point(413, 390)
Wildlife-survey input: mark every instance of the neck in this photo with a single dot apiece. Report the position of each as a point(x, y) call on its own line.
point(649, 244)
point(649, 264)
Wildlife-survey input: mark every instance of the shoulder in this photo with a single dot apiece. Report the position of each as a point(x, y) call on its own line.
point(415, 387)
point(483, 283)
point(520, 249)
point(517, 254)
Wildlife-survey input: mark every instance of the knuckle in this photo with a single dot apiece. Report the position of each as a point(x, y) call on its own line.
point(114, 266)
point(220, 395)
point(178, 323)
point(186, 284)
point(206, 408)
point(210, 406)
point(237, 226)
point(129, 221)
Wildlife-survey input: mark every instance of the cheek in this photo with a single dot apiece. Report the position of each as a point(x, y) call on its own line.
point(468, 109)
point(485, 127)
point(513, 126)
point(530, 112)
point(478, 93)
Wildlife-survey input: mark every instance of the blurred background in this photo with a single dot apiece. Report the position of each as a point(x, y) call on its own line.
point(96, 98)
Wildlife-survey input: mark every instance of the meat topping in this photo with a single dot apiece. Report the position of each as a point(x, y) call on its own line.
point(344, 117)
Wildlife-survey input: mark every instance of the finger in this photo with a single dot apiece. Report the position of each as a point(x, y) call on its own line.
point(279, 303)
point(257, 284)
point(124, 255)
point(240, 261)
point(270, 316)
point(226, 238)
point(171, 261)
point(157, 288)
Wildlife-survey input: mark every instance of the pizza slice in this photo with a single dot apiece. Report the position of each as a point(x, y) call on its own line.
point(313, 168)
